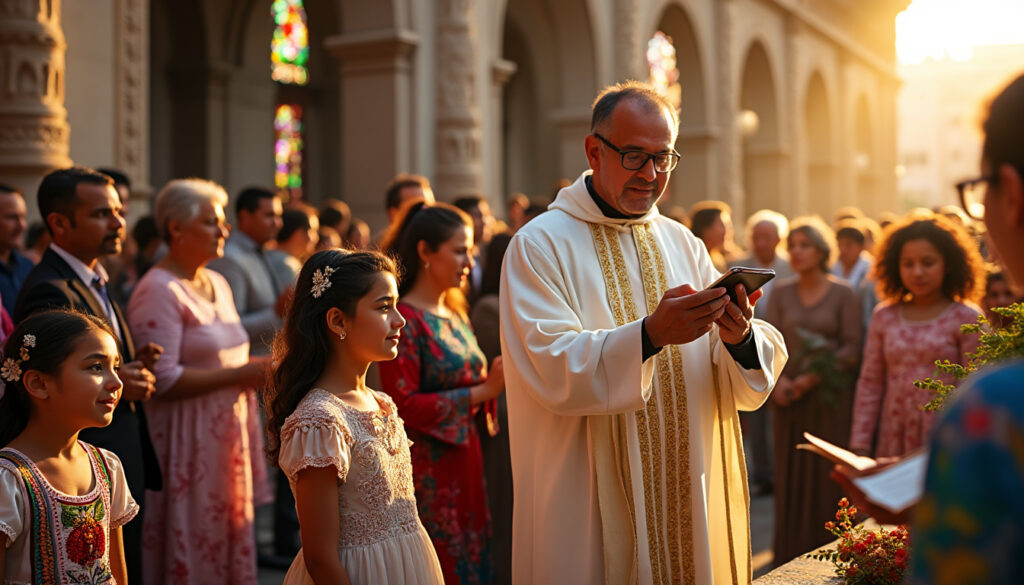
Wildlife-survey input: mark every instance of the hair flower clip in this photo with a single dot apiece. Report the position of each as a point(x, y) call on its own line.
point(11, 368)
point(321, 281)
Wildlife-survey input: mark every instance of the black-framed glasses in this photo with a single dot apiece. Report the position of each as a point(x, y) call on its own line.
point(972, 195)
point(634, 160)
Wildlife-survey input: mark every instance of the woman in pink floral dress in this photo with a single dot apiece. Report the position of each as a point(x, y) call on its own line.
point(929, 274)
point(198, 530)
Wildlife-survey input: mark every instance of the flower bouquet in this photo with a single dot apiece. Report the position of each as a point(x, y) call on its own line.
point(862, 556)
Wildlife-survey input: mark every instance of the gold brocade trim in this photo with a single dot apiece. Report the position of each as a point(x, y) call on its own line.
point(678, 516)
point(725, 480)
point(615, 296)
point(648, 427)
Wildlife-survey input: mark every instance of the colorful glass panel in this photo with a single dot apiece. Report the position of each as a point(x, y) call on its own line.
point(289, 49)
point(661, 61)
point(288, 149)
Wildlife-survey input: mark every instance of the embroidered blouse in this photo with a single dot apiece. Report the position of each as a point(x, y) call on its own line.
point(72, 533)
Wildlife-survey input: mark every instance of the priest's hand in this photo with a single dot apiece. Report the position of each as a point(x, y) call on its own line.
point(684, 314)
point(734, 324)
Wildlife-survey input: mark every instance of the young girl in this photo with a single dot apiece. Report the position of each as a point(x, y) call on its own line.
point(62, 501)
point(341, 444)
point(929, 274)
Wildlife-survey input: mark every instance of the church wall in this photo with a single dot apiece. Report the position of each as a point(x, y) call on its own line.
point(89, 28)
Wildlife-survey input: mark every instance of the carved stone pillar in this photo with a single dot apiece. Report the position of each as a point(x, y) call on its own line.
point(131, 146)
point(459, 170)
point(33, 121)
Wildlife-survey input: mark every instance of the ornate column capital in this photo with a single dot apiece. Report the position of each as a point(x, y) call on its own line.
point(33, 122)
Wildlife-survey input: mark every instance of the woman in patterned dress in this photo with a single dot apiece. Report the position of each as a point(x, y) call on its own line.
point(199, 529)
point(929, 275)
point(439, 381)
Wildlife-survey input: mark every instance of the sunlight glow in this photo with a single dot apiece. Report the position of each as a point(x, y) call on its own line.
point(939, 29)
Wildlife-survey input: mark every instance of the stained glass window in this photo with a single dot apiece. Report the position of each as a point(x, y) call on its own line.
point(661, 61)
point(288, 149)
point(289, 49)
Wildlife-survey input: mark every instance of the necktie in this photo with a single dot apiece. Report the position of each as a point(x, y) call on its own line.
point(101, 289)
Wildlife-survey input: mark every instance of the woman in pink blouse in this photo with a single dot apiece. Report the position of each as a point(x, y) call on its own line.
point(929, 274)
point(199, 528)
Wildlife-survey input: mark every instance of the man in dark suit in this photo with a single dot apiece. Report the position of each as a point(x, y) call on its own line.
point(82, 211)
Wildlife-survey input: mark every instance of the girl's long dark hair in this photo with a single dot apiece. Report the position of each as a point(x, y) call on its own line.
point(56, 334)
point(303, 346)
point(434, 224)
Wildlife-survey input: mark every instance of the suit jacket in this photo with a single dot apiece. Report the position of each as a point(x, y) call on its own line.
point(53, 284)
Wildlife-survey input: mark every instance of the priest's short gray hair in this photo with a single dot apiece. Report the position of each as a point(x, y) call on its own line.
point(180, 199)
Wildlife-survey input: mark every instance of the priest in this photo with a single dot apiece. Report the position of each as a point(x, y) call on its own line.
point(624, 372)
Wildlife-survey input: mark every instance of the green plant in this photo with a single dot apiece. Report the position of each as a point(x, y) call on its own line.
point(817, 356)
point(862, 556)
point(994, 344)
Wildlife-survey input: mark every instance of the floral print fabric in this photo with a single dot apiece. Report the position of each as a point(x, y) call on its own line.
point(897, 353)
point(438, 361)
point(968, 525)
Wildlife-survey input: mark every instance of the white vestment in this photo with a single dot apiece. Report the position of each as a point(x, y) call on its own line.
point(624, 471)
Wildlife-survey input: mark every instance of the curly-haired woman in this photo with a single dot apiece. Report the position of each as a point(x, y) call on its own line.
point(929, 275)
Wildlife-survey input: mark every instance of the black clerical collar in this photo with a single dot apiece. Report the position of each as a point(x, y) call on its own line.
point(606, 209)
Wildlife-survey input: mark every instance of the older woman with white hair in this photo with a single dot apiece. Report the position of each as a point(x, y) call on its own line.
point(199, 529)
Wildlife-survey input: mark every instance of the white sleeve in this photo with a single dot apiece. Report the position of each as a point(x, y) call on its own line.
point(12, 505)
point(122, 505)
point(548, 353)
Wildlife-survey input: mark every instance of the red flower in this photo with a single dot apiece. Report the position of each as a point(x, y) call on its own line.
point(86, 543)
point(844, 503)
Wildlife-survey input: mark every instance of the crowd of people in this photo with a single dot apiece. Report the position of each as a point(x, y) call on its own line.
point(153, 380)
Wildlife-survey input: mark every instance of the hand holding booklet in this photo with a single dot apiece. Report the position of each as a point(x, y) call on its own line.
point(895, 486)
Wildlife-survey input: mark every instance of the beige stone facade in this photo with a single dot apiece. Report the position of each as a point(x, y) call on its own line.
point(491, 96)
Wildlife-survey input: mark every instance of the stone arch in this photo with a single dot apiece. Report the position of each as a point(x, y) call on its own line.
point(546, 104)
point(248, 130)
point(694, 141)
point(819, 159)
point(761, 145)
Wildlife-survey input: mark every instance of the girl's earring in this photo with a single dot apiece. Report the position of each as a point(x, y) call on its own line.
point(342, 335)
point(427, 266)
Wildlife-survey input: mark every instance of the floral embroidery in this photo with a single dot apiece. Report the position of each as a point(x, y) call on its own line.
point(438, 360)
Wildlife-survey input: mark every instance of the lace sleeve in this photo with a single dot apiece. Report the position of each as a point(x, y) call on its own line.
point(315, 441)
point(122, 505)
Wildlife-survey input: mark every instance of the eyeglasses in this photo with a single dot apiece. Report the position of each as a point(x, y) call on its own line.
point(972, 195)
point(634, 160)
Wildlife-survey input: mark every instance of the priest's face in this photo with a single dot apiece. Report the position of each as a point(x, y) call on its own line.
point(633, 125)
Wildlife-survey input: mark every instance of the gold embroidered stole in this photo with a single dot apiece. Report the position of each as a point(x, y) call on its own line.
point(663, 432)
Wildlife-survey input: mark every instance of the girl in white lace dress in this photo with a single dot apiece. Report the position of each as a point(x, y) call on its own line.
point(341, 444)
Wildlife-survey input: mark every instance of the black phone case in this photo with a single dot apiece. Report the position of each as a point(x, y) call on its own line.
point(751, 278)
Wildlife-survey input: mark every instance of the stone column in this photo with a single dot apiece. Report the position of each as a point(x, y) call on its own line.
point(459, 169)
point(131, 135)
point(630, 48)
point(33, 122)
point(730, 184)
point(502, 71)
point(376, 115)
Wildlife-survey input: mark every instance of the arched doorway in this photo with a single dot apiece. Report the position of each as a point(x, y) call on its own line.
point(819, 158)
point(691, 177)
point(547, 102)
point(759, 126)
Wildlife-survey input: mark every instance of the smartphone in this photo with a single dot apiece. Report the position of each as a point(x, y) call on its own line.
point(751, 278)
